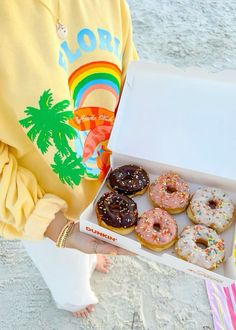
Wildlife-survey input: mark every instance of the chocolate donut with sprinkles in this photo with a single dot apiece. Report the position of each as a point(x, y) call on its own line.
point(210, 256)
point(212, 207)
point(117, 212)
point(130, 180)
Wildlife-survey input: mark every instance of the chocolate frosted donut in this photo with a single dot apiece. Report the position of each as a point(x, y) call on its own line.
point(129, 180)
point(117, 212)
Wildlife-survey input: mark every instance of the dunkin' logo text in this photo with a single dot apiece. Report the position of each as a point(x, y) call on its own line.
point(99, 233)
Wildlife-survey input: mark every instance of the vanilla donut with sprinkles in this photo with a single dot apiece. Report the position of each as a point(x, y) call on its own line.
point(212, 207)
point(117, 212)
point(170, 192)
point(209, 257)
point(130, 180)
point(156, 229)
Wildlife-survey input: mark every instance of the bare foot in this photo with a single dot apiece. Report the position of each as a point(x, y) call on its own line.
point(103, 263)
point(84, 313)
point(102, 266)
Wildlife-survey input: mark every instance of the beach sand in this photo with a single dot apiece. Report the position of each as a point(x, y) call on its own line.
point(137, 294)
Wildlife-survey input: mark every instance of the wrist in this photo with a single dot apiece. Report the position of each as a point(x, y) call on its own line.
point(71, 240)
point(65, 234)
point(55, 227)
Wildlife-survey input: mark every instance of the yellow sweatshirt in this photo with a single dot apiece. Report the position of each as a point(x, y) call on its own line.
point(57, 106)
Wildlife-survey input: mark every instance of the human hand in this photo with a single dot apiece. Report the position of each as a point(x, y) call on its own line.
point(81, 241)
point(91, 245)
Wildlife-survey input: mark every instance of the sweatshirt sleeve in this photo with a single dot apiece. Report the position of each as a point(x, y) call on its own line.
point(25, 210)
point(129, 50)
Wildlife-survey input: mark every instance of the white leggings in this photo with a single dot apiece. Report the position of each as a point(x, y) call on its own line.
point(66, 272)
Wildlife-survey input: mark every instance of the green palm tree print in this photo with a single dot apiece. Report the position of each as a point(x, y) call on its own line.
point(47, 125)
point(70, 169)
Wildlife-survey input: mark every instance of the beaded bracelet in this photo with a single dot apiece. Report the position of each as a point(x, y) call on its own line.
point(65, 232)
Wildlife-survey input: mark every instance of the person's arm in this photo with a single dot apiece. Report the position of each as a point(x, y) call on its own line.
point(25, 209)
point(27, 212)
point(81, 241)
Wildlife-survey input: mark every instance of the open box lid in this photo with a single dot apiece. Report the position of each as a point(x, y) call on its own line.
point(185, 119)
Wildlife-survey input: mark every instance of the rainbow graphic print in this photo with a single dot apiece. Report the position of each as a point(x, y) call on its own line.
point(94, 124)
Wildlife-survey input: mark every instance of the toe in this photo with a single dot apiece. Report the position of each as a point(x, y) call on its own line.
point(104, 269)
point(85, 314)
point(103, 263)
point(90, 308)
point(107, 261)
point(77, 314)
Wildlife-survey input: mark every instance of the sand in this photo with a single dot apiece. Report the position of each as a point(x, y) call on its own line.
point(137, 294)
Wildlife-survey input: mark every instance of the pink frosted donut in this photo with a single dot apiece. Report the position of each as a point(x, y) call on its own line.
point(156, 229)
point(170, 192)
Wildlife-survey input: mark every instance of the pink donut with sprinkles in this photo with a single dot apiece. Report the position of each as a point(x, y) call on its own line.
point(170, 192)
point(156, 229)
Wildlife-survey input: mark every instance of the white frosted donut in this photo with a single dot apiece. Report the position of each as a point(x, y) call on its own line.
point(210, 257)
point(212, 207)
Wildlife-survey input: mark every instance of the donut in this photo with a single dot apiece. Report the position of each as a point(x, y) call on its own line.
point(210, 257)
point(117, 212)
point(170, 192)
point(212, 207)
point(156, 229)
point(130, 180)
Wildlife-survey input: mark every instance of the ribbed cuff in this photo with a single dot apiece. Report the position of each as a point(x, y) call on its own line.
point(42, 215)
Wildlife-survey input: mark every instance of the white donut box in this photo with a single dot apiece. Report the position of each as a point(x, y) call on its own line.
point(180, 120)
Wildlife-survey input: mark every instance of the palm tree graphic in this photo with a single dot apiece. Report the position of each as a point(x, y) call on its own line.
point(70, 170)
point(48, 124)
point(48, 127)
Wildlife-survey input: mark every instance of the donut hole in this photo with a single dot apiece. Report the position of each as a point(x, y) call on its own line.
point(115, 208)
point(171, 189)
point(128, 177)
point(201, 244)
point(157, 227)
point(213, 204)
